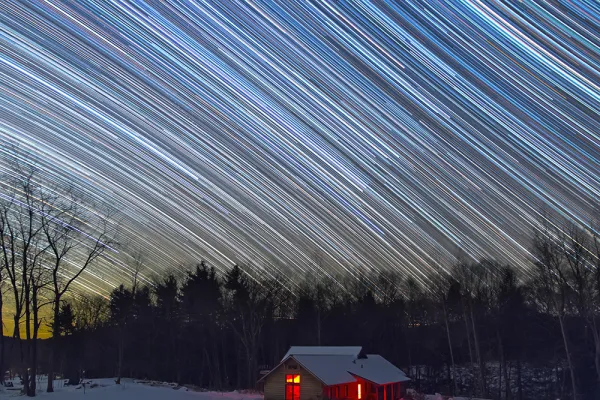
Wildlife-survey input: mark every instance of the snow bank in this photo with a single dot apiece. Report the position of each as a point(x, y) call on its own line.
point(101, 389)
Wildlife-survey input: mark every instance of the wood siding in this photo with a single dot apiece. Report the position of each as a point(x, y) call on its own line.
point(310, 387)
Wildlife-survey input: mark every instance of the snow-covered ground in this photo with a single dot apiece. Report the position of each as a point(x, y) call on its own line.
point(101, 389)
point(129, 389)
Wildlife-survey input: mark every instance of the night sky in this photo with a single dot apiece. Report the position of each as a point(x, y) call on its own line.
point(307, 135)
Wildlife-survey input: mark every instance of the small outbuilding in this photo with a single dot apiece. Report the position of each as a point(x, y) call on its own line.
point(334, 373)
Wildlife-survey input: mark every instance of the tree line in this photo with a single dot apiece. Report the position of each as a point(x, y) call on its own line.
point(479, 329)
point(474, 328)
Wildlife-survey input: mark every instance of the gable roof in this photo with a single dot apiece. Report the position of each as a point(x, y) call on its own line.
point(378, 370)
point(323, 350)
point(331, 370)
point(339, 365)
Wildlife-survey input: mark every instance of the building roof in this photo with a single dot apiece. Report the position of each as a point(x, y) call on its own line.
point(329, 369)
point(378, 370)
point(339, 365)
point(323, 350)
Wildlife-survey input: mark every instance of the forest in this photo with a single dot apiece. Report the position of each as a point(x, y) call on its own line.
point(473, 328)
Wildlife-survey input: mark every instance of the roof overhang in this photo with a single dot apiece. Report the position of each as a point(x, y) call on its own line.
point(376, 383)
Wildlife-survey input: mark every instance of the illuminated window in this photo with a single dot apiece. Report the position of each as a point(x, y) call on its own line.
point(359, 391)
point(292, 387)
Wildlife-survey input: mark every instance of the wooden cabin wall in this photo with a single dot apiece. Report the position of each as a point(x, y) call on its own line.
point(274, 387)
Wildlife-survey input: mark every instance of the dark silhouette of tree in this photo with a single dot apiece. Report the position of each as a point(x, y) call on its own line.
point(121, 314)
point(65, 320)
point(201, 303)
point(248, 305)
point(167, 327)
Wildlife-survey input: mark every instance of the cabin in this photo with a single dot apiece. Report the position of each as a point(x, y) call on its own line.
point(333, 373)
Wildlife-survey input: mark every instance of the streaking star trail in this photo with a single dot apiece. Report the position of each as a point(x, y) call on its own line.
point(375, 134)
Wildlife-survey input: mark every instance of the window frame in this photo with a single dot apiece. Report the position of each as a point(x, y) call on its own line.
point(292, 381)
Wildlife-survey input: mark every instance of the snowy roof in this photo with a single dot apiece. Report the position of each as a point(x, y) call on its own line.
point(329, 369)
point(338, 365)
point(377, 369)
point(323, 351)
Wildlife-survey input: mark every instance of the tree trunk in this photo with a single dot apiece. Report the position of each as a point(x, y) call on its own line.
point(216, 363)
point(249, 368)
point(478, 354)
point(53, 345)
point(252, 355)
point(562, 380)
point(596, 335)
point(572, 371)
point(176, 357)
point(504, 371)
point(239, 367)
point(202, 367)
point(500, 381)
point(226, 377)
point(17, 337)
point(34, 347)
point(121, 350)
point(1, 341)
point(26, 383)
point(597, 359)
point(468, 330)
point(519, 380)
point(318, 327)
point(454, 386)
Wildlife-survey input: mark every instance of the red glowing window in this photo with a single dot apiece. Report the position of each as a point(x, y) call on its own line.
point(292, 387)
point(359, 391)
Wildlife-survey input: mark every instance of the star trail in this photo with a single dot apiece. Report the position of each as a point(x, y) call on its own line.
point(367, 135)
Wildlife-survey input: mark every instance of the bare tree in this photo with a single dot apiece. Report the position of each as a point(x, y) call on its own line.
point(2, 349)
point(122, 303)
point(440, 287)
point(251, 302)
point(471, 277)
point(76, 238)
point(46, 242)
point(137, 266)
point(21, 228)
point(595, 309)
point(39, 281)
point(388, 285)
point(551, 283)
point(90, 311)
point(319, 293)
point(8, 258)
